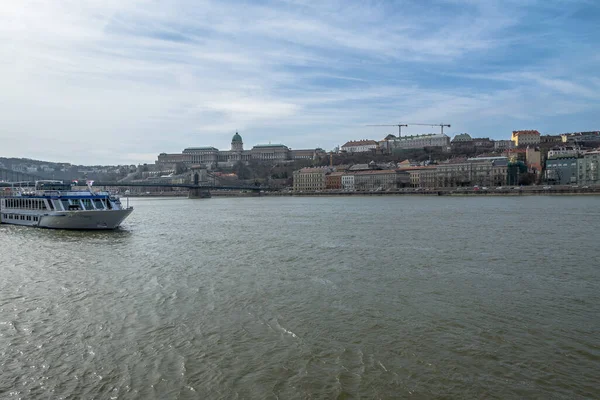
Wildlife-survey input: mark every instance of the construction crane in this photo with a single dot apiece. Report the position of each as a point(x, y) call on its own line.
point(440, 125)
point(398, 125)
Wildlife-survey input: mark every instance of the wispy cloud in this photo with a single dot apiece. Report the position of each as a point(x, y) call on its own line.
point(115, 81)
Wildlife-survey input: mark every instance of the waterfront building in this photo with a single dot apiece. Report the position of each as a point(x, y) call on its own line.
point(333, 181)
point(422, 177)
point(360, 146)
point(348, 182)
point(376, 180)
point(588, 168)
point(482, 171)
point(525, 138)
point(309, 179)
point(562, 170)
point(421, 141)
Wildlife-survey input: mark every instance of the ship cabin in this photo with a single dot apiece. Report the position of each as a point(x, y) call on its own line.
point(51, 197)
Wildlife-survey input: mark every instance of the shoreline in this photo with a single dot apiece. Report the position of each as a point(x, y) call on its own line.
point(439, 193)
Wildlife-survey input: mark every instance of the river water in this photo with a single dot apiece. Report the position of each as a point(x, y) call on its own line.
point(341, 297)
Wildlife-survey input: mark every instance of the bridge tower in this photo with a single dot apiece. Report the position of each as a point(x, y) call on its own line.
point(199, 174)
point(199, 177)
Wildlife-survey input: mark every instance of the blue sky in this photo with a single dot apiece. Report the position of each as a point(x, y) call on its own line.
point(116, 81)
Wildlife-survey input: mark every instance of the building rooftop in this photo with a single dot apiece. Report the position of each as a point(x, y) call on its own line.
point(595, 133)
point(236, 138)
point(564, 156)
point(364, 142)
point(315, 169)
point(416, 168)
point(526, 132)
point(463, 137)
point(495, 158)
point(260, 146)
point(200, 148)
point(424, 136)
point(375, 172)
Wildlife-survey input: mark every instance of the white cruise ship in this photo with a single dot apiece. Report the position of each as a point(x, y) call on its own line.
point(56, 205)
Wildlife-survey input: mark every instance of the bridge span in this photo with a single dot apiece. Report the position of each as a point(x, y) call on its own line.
point(195, 191)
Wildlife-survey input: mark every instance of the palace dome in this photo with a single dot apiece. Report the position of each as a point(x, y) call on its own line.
point(236, 138)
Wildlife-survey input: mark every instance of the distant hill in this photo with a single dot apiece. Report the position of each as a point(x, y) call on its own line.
point(66, 171)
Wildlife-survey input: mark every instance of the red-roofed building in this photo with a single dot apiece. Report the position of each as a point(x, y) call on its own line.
point(526, 138)
point(333, 181)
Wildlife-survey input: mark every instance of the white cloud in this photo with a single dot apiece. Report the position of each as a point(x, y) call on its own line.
point(116, 81)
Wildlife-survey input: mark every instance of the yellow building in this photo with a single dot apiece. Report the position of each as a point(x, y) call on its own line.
point(423, 177)
point(525, 138)
point(309, 179)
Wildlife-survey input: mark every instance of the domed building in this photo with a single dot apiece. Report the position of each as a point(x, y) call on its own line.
point(212, 157)
point(236, 143)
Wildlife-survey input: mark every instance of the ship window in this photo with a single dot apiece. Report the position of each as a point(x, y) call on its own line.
point(99, 204)
point(65, 204)
point(87, 204)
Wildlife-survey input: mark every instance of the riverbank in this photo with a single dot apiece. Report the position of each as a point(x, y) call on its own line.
point(525, 191)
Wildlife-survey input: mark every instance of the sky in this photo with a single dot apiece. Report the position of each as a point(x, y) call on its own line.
point(120, 81)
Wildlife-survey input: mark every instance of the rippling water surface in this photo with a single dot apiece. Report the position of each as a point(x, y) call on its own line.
point(254, 298)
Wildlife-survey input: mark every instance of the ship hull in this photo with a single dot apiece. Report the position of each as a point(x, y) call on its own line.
point(80, 220)
point(85, 220)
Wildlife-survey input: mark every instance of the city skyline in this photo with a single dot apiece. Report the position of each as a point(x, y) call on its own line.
point(111, 82)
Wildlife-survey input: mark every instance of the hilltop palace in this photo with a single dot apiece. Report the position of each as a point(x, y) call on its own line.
point(213, 157)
